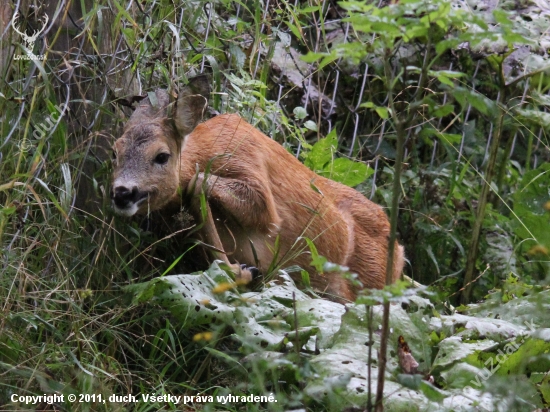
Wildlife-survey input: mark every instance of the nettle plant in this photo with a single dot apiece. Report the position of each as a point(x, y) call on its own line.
point(449, 85)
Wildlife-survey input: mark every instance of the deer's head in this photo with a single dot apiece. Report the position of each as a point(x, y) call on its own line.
point(147, 155)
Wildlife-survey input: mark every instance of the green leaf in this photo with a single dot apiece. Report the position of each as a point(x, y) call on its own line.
point(312, 248)
point(501, 18)
point(530, 199)
point(431, 392)
point(537, 117)
point(387, 29)
point(238, 55)
point(296, 31)
point(6, 211)
point(328, 59)
point(129, 35)
point(445, 138)
point(357, 6)
point(479, 102)
point(300, 113)
point(313, 57)
point(415, 32)
point(410, 381)
point(383, 112)
point(450, 138)
point(310, 125)
point(347, 172)
point(453, 348)
point(322, 152)
point(445, 45)
point(305, 279)
point(442, 111)
point(445, 80)
point(189, 298)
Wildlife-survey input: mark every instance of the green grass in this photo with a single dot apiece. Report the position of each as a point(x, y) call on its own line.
point(66, 326)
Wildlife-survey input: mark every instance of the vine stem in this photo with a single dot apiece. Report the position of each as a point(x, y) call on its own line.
point(401, 125)
point(483, 198)
point(400, 131)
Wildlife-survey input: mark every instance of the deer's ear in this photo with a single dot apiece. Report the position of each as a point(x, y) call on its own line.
point(191, 104)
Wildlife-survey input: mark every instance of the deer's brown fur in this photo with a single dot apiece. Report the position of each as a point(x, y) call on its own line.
point(255, 192)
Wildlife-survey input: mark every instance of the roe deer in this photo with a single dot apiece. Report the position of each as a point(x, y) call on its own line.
point(259, 196)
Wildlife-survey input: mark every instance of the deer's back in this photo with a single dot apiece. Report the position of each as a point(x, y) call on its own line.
point(233, 148)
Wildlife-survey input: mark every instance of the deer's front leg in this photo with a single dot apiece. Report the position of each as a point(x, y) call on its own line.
point(210, 231)
point(249, 202)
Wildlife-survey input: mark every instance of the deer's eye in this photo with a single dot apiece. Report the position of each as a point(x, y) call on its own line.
point(162, 158)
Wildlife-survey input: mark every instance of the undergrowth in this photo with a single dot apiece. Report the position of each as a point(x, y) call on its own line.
point(464, 85)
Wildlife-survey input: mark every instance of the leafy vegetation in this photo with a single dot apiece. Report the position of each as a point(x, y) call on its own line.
point(436, 110)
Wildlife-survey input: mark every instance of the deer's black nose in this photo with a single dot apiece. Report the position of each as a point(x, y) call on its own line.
point(122, 196)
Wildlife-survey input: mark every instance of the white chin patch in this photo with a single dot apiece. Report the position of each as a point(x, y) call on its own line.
point(128, 211)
